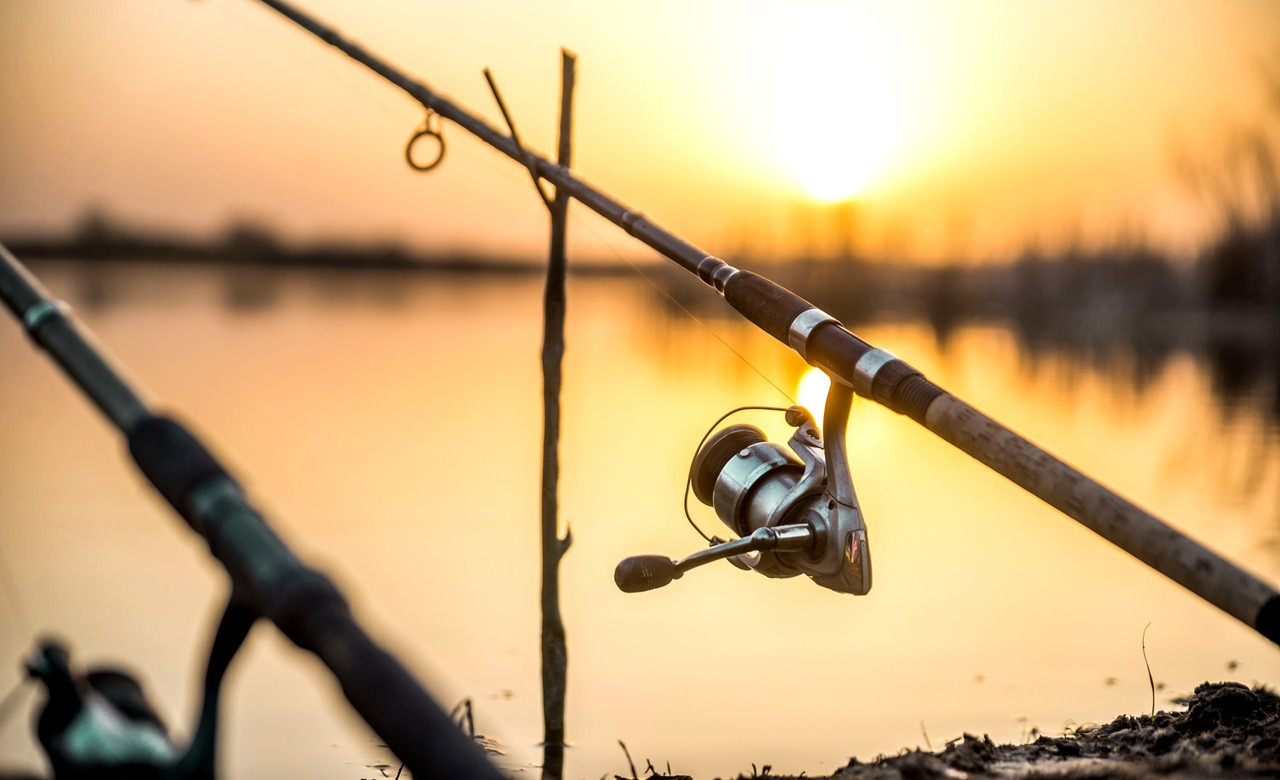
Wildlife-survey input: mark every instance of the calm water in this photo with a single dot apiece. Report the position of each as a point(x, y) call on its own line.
point(390, 427)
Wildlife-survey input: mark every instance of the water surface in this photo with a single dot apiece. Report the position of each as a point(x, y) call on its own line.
point(389, 425)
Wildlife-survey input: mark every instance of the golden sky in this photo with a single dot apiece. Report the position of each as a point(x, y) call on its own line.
point(959, 128)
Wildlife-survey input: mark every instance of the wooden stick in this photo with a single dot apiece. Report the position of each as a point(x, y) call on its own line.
point(555, 658)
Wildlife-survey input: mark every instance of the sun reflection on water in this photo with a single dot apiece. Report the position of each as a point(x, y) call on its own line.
point(811, 392)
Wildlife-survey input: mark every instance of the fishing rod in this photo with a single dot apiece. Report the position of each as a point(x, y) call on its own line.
point(855, 366)
point(267, 579)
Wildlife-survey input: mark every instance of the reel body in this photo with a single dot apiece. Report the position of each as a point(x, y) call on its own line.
point(794, 512)
point(761, 485)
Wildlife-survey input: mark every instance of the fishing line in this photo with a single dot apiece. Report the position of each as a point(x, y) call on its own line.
point(878, 375)
point(11, 588)
point(394, 109)
point(8, 705)
point(505, 170)
point(508, 173)
point(359, 90)
point(343, 76)
point(682, 307)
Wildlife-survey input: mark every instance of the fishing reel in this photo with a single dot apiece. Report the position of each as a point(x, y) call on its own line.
point(793, 514)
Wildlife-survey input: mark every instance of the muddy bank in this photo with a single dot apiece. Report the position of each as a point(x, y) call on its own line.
point(1227, 731)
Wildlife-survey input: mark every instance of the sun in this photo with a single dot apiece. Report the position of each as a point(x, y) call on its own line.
point(841, 137)
point(838, 100)
point(829, 173)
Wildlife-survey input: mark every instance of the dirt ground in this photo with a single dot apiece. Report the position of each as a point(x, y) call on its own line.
point(1227, 731)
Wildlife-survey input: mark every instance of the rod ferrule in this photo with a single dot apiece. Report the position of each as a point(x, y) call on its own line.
point(715, 272)
point(867, 367)
point(175, 462)
point(42, 312)
point(803, 326)
point(894, 384)
point(630, 218)
point(203, 500)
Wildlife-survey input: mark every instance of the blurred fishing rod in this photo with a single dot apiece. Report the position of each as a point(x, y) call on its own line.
point(874, 373)
point(267, 579)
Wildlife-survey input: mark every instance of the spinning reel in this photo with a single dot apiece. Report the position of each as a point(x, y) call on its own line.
point(792, 516)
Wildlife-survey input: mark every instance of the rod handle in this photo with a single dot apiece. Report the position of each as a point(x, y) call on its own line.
point(173, 460)
point(767, 304)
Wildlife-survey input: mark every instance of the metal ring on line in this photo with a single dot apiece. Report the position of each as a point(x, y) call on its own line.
point(425, 129)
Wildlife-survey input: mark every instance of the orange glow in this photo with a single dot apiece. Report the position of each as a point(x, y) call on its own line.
point(811, 392)
point(980, 124)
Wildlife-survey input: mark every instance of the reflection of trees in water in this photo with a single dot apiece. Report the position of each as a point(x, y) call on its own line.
point(1239, 348)
point(1246, 367)
point(102, 286)
point(1124, 311)
point(94, 290)
point(1198, 411)
point(249, 289)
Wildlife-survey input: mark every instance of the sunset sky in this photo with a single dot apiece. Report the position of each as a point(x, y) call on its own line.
point(958, 129)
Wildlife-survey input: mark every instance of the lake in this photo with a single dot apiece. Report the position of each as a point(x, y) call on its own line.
point(389, 425)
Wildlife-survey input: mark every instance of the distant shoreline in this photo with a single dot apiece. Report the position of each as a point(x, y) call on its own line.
point(1122, 295)
point(353, 257)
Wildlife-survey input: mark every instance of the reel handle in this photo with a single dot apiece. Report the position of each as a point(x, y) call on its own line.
point(647, 572)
